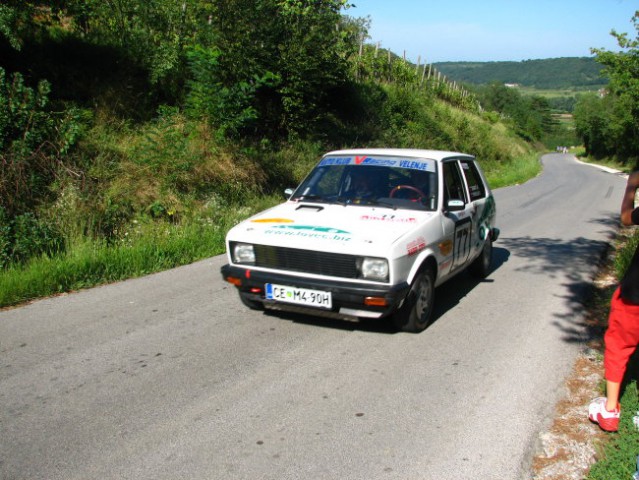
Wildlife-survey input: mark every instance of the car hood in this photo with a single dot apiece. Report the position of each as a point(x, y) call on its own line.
point(315, 226)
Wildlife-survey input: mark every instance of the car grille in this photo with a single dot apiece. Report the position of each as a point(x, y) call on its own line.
point(308, 261)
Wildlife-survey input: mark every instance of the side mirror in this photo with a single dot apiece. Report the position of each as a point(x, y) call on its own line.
point(288, 192)
point(455, 205)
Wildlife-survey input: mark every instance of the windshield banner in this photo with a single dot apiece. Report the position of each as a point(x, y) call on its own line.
point(412, 164)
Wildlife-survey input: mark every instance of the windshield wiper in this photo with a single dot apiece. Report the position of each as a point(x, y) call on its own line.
point(310, 198)
point(364, 201)
point(379, 203)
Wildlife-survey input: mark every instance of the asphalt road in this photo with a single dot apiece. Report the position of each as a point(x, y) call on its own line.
point(170, 377)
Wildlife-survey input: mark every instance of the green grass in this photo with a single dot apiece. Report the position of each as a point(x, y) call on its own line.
point(89, 263)
point(606, 162)
point(147, 246)
point(618, 456)
point(515, 172)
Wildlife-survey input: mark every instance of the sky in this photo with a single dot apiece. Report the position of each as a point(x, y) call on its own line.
point(495, 30)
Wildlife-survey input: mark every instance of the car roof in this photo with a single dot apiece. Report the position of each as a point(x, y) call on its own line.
point(437, 155)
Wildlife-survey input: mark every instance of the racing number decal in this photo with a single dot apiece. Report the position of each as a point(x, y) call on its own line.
point(462, 241)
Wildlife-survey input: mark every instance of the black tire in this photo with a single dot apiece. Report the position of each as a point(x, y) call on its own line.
point(417, 311)
point(480, 268)
point(252, 304)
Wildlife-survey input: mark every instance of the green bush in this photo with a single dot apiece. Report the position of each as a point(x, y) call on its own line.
point(33, 141)
point(5, 240)
point(228, 108)
point(25, 126)
point(25, 236)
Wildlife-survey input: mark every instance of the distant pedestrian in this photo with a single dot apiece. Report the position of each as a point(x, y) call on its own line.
point(622, 336)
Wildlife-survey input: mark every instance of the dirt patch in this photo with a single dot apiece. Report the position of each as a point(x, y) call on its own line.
point(568, 449)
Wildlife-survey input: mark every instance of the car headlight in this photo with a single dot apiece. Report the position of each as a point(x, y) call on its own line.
point(373, 268)
point(243, 253)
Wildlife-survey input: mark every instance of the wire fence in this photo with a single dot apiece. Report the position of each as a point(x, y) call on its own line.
point(374, 63)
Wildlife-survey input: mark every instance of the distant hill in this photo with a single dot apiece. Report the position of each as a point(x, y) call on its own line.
point(580, 73)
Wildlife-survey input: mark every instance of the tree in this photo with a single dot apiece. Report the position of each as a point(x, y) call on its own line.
point(622, 68)
point(8, 25)
point(297, 42)
point(592, 117)
point(531, 116)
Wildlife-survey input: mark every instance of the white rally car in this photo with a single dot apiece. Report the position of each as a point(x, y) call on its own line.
point(368, 234)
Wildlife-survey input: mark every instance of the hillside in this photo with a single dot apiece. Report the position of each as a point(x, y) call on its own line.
point(578, 73)
point(131, 142)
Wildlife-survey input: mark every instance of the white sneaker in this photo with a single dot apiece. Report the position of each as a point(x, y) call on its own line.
point(608, 421)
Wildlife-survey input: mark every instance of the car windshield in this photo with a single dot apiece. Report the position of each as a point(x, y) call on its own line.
point(372, 180)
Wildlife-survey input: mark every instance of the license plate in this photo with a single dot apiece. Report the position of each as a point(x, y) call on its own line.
point(300, 296)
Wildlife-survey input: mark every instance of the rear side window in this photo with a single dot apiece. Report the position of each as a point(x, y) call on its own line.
point(473, 179)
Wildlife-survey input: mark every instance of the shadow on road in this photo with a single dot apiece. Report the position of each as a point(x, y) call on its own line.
point(576, 261)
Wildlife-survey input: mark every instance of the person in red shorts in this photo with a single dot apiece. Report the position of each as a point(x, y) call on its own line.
point(622, 336)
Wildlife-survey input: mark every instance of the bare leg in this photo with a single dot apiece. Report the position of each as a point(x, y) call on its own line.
point(612, 395)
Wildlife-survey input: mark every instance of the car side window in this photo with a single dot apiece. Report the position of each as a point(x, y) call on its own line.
point(473, 179)
point(453, 183)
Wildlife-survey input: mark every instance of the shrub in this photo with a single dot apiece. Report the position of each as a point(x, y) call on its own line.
point(228, 108)
point(33, 141)
point(26, 236)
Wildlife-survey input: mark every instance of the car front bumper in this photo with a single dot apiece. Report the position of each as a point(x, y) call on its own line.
point(350, 300)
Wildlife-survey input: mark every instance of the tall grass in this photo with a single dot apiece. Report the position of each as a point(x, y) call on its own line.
point(512, 172)
point(91, 262)
point(147, 246)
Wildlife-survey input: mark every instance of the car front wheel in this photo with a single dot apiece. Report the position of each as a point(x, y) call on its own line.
point(417, 311)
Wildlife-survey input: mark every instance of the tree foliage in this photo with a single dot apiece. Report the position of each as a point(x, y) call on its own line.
point(230, 108)
point(296, 44)
point(551, 73)
point(530, 115)
point(32, 141)
point(609, 125)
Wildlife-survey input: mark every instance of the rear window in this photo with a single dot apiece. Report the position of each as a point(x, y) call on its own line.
point(475, 183)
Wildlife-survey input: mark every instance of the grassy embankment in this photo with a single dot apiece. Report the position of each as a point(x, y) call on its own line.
point(186, 190)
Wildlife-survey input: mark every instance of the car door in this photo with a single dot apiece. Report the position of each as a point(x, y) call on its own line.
point(477, 198)
point(457, 214)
